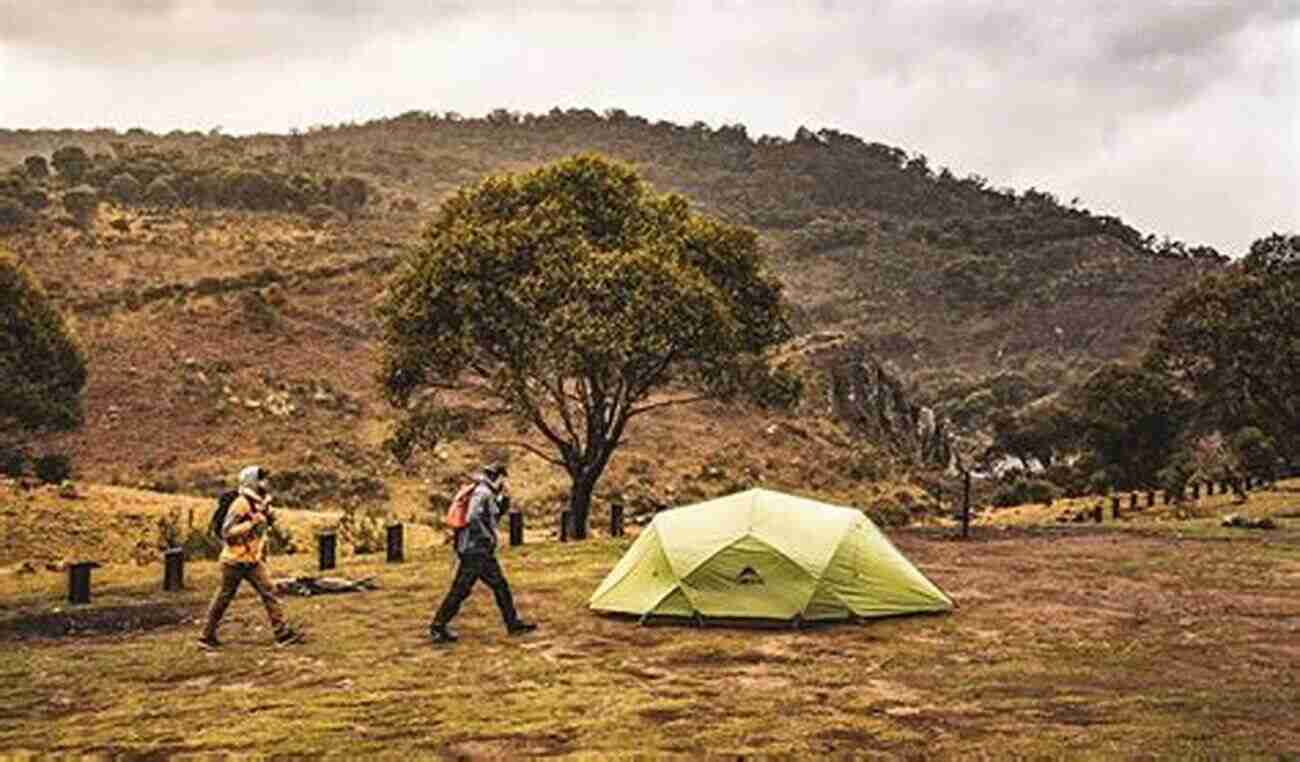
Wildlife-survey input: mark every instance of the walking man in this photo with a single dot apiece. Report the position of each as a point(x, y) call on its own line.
point(476, 546)
point(243, 557)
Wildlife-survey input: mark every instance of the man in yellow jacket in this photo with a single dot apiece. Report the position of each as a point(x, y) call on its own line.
point(243, 557)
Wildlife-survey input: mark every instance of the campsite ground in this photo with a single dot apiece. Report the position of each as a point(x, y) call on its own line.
point(1143, 639)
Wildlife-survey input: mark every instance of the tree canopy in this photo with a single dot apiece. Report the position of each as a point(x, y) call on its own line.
point(42, 370)
point(1231, 338)
point(575, 298)
point(1132, 419)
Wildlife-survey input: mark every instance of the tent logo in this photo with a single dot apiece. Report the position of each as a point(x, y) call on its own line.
point(748, 576)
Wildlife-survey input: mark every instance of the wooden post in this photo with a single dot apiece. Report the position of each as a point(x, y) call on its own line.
point(516, 529)
point(79, 581)
point(173, 569)
point(326, 542)
point(1151, 498)
point(1165, 497)
point(1096, 513)
point(396, 553)
point(616, 520)
point(564, 526)
point(965, 505)
point(1196, 491)
point(1132, 501)
point(1209, 488)
point(1114, 505)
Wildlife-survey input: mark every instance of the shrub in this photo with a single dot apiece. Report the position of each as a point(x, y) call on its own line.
point(161, 193)
point(71, 162)
point(366, 534)
point(1024, 490)
point(320, 214)
point(13, 215)
point(12, 461)
point(124, 188)
point(35, 199)
point(349, 194)
point(36, 167)
point(53, 468)
point(82, 204)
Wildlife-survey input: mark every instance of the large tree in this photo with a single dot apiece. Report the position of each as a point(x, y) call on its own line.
point(574, 298)
point(42, 370)
point(1232, 338)
point(1131, 418)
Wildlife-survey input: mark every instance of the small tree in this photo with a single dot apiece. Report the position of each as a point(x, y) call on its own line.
point(71, 162)
point(124, 188)
point(42, 370)
point(575, 299)
point(36, 167)
point(82, 202)
point(1131, 418)
point(349, 194)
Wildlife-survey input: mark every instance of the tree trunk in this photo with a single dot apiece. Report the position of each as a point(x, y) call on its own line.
point(580, 503)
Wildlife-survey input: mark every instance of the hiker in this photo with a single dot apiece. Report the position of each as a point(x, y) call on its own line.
point(243, 557)
point(476, 546)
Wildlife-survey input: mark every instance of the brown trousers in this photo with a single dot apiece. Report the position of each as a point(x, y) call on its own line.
point(257, 575)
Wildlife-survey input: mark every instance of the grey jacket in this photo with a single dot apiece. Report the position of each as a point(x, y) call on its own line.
point(480, 534)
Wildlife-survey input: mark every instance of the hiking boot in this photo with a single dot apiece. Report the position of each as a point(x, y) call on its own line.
point(438, 633)
point(289, 637)
point(521, 628)
point(208, 643)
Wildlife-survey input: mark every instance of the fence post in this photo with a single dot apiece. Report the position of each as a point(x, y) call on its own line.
point(1165, 497)
point(1151, 498)
point(616, 520)
point(965, 505)
point(173, 569)
point(564, 526)
point(1114, 505)
point(516, 529)
point(79, 581)
point(1196, 491)
point(1096, 513)
point(326, 543)
point(1132, 501)
point(396, 553)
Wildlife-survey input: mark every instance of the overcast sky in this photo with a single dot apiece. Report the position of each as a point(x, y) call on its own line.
point(1181, 117)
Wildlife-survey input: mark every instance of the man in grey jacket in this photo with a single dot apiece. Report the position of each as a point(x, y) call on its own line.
point(476, 546)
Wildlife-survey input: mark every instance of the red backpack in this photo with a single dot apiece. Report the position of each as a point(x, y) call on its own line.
point(458, 512)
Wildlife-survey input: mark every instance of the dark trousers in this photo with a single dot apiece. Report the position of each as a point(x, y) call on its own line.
point(474, 567)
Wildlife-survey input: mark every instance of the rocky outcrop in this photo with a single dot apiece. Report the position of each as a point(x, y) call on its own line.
point(862, 393)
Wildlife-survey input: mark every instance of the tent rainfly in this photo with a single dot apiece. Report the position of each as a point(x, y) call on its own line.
point(765, 555)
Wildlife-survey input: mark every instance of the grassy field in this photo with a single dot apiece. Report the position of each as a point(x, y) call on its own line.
point(1141, 639)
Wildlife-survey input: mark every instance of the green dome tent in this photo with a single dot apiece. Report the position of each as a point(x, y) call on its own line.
point(761, 554)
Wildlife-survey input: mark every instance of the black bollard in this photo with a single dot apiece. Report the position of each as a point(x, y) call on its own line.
point(79, 581)
point(173, 569)
point(516, 529)
point(616, 520)
point(395, 550)
point(564, 526)
point(1114, 505)
point(325, 544)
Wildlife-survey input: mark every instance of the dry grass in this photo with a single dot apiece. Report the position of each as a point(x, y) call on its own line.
point(1074, 642)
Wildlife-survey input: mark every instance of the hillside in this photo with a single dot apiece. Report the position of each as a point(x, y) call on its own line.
point(224, 293)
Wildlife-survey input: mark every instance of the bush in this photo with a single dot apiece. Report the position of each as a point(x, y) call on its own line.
point(71, 162)
point(12, 461)
point(349, 194)
point(366, 534)
point(36, 167)
point(124, 189)
point(13, 214)
point(53, 468)
point(82, 204)
point(1025, 490)
point(35, 199)
point(161, 193)
point(320, 214)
